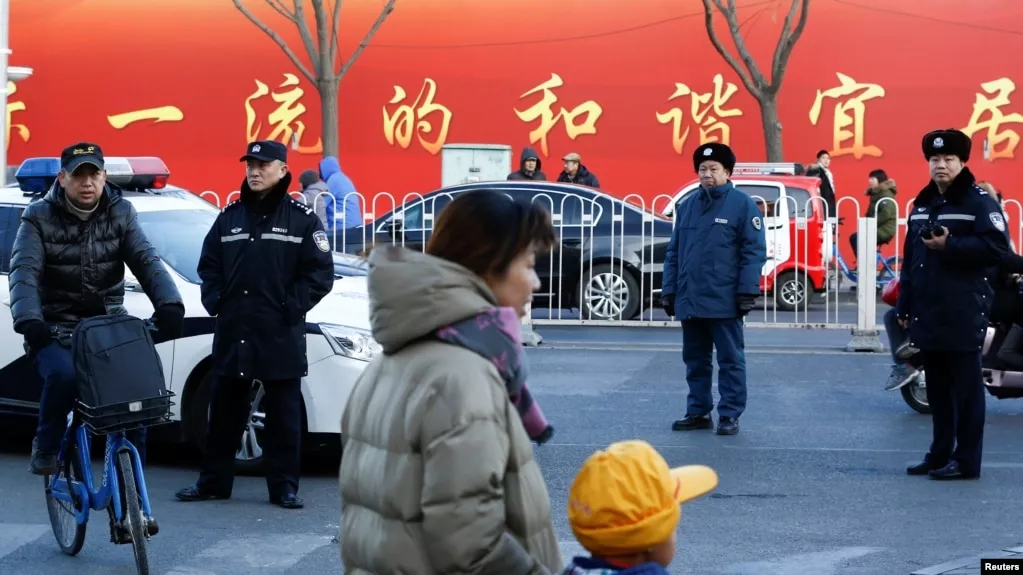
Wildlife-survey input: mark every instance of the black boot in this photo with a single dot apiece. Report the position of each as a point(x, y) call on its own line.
point(691, 422)
point(43, 462)
point(924, 467)
point(728, 426)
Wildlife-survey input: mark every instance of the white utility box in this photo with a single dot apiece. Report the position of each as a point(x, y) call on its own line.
point(467, 163)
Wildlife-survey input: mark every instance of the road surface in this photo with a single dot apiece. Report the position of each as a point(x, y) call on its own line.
point(813, 484)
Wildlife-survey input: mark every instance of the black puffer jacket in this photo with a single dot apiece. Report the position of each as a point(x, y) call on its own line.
point(64, 269)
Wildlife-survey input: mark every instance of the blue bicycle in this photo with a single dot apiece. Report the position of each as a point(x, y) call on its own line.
point(72, 493)
point(887, 268)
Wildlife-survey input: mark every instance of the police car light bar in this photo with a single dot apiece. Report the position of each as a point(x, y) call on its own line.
point(36, 175)
point(769, 169)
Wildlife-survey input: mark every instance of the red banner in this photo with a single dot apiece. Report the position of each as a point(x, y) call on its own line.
point(633, 87)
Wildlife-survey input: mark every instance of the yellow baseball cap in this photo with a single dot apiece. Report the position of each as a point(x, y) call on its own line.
point(626, 499)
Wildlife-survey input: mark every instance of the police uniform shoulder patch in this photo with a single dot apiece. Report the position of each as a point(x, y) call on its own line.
point(234, 203)
point(757, 223)
point(320, 238)
point(997, 221)
point(302, 206)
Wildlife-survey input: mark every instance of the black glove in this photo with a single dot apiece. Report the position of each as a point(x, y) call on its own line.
point(668, 304)
point(168, 319)
point(746, 303)
point(37, 335)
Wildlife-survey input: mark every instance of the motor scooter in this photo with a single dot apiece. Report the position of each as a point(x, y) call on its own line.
point(1000, 381)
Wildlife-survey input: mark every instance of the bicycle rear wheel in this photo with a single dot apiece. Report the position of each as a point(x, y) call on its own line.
point(133, 512)
point(69, 533)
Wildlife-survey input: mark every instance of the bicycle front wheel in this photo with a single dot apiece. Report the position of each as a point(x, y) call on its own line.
point(133, 512)
point(69, 533)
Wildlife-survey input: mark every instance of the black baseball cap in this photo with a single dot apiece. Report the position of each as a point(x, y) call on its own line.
point(81, 153)
point(266, 151)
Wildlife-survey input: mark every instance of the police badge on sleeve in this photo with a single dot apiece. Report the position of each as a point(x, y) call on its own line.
point(756, 223)
point(997, 220)
point(321, 241)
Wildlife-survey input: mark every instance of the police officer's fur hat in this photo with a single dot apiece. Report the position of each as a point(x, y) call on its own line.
point(714, 151)
point(950, 141)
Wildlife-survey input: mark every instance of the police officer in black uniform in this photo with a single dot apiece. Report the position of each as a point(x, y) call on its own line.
point(955, 242)
point(265, 263)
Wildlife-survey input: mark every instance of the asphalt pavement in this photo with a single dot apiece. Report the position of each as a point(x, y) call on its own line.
point(814, 483)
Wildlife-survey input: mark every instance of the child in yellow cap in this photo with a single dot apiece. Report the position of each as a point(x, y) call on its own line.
point(624, 507)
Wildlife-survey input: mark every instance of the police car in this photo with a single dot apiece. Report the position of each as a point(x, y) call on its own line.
point(176, 221)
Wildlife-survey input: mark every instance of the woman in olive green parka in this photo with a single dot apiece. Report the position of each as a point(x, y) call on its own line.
point(886, 212)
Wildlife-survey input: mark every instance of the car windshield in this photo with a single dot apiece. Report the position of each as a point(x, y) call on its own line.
point(177, 236)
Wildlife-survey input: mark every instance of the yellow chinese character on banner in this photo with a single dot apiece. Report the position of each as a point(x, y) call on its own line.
point(285, 120)
point(13, 107)
point(707, 110)
point(1002, 142)
point(411, 117)
point(543, 111)
point(850, 111)
point(158, 115)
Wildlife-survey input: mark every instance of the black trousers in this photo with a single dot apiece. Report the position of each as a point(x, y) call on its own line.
point(282, 437)
point(955, 391)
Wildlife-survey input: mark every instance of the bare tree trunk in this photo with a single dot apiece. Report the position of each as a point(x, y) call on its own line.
point(772, 127)
point(330, 123)
point(765, 92)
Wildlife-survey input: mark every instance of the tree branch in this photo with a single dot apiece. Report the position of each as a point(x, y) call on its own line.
point(277, 39)
point(730, 14)
point(369, 36)
point(708, 19)
point(306, 36)
point(280, 9)
point(325, 58)
point(335, 49)
point(787, 42)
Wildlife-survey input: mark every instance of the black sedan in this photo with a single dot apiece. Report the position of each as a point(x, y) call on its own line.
point(609, 261)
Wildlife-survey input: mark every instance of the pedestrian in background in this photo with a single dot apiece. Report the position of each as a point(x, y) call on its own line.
point(438, 474)
point(265, 263)
point(881, 196)
point(822, 169)
point(316, 195)
point(576, 173)
point(529, 167)
point(955, 243)
point(345, 205)
point(711, 281)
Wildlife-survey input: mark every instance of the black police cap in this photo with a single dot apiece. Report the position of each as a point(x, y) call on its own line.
point(714, 151)
point(266, 151)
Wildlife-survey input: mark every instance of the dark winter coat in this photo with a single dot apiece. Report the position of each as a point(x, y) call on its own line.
point(947, 294)
point(265, 263)
point(716, 252)
point(521, 174)
point(583, 177)
point(65, 269)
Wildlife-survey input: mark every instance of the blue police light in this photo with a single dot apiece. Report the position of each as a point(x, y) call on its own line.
point(36, 175)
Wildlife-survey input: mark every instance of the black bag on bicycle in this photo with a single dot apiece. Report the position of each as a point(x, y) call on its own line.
point(120, 376)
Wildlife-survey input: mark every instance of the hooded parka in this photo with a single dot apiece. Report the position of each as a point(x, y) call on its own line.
point(438, 474)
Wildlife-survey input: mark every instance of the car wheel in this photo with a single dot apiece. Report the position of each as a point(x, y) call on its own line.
point(249, 458)
point(609, 293)
point(790, 291)
point(914, 394)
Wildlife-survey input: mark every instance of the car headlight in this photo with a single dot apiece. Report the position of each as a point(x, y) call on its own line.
point(350, 342)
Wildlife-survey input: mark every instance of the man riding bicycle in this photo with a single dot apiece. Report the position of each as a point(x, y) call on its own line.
point(67, 265)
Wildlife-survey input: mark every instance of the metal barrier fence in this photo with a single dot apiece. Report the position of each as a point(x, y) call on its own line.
point(607, 268)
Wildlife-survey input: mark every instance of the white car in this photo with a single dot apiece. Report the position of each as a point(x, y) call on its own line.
point(176, 221)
